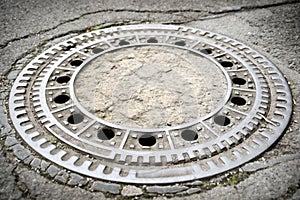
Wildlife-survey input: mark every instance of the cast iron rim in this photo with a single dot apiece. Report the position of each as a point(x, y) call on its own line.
point(254, 114)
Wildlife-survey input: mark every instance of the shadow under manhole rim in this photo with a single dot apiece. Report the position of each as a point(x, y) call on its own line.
point(215, 143)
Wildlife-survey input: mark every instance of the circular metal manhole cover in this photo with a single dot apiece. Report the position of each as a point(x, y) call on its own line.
point(150, 104)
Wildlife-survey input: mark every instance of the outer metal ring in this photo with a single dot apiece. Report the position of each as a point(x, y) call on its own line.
point(253, 127)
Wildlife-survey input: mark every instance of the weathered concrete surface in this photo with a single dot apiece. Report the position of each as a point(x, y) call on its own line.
point(271, 27)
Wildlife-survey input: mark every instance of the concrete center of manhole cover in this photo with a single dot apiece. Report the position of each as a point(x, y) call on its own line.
point(149, 104)
point(150, 87)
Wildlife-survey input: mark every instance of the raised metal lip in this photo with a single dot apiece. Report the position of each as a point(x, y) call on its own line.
point(145, 130)
point(132, 178)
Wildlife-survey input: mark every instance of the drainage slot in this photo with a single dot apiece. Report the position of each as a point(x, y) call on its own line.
point(239, 81)
point(180, 43)
point(105, 134)
point(189, 135)
point(107, 170)
point(97, 50)
point(206, 51)
point(152, 40)
point(76, 63)
point(63, 79)
point(123, 42)
point(147, 141)
point(222, 120)
point(75, 119)
point(238, 101)
point(61, 99)
point(68, 48)
point(226, 64)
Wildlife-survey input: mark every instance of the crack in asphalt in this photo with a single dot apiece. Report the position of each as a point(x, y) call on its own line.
point(179, 22)
point(273, 162)
point(74, 31)
point(227, 10)
point(253, 7)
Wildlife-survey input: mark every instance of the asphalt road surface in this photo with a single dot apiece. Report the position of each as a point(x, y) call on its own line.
point(271, 27)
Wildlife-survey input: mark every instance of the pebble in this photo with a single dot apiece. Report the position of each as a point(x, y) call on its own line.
point(131, 191)
point(10, 141)
point(36, 162)
point(28, 160)
point(195, 183)
point(166, 189)
point(44, 165)
point(20, 152)
point(62, 176)
point(76, 180)
point(113, 188)
point(13, 75)
point(52, 170)
point(193, 190)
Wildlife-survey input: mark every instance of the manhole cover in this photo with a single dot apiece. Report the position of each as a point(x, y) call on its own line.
point(150, 104)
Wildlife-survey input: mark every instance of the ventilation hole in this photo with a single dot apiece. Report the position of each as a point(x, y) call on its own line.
point(63, 79)
point(61, 99)
point(189, 135)
point(180, 43)
point(147, 140)
point(76, 63)
point(222, 120)
point(79, 161)
point(239, 81)
point(152, 40)
point(107, 170)
point(123, 42)
point(238, 101)
point(105, 134)
point(97, 50)
point(206, 51)
point(21, 115)
point(226, 64)
point(123, 173)
point(68, 48)
point(75, 119)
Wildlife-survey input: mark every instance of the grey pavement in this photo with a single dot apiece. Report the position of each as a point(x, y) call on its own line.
point(271, 27)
